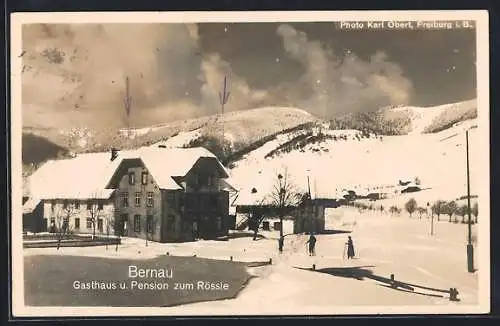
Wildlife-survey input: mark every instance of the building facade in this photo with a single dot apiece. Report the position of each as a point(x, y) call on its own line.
point(93, 216)
point(164, 195)
point(194, 207)
point(310, 217)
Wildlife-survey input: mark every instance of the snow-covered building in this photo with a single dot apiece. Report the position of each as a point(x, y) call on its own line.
point(163, 194)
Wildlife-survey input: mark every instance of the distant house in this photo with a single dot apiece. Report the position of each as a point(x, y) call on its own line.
point(165, 194)
point(310, 216)
point(410, 188)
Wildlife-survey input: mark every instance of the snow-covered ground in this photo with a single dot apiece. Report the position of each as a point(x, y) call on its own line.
point(384, 245)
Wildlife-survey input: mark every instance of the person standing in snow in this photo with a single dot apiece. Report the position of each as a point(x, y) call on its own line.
point(312, 244)
point(281, 242)
point(350, 248)
point(196, 235)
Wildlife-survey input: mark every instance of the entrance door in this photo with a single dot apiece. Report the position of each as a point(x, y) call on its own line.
point(123, 225)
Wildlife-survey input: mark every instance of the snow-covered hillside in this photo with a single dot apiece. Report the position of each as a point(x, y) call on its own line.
point(344, 159)
point(274, 138)
point(425, 118)
point(244, 127)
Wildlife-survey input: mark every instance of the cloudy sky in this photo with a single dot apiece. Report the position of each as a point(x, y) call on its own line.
point(75, 74)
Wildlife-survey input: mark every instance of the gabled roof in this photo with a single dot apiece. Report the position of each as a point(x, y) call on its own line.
point(81, 177)
point(166, 163)
point(86, 176)
point(30, 205)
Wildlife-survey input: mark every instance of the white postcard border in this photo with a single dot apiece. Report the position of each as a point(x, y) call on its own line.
point(483, 257)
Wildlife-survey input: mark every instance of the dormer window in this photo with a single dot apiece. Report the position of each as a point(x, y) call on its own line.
point(131, 178)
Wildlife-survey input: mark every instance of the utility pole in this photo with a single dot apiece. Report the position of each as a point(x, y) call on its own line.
point(470, 248)
point(223, 97)
point(127, 101)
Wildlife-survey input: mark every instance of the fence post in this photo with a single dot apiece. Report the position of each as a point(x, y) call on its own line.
point(453, 294)
point(270, 261)
point(393, 282)
point(314, 267)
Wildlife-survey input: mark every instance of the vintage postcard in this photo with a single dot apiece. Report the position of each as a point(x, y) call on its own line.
point(250, 163)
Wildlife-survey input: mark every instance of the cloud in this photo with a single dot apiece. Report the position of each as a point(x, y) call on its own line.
point(213, 71)
point(74, 74)
point(341, 84)
point(79, 70)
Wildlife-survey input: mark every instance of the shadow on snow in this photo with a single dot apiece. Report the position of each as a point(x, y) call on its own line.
point(363, 272)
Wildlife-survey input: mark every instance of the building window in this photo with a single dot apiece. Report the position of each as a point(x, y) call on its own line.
point(131, 178)
point(150, 201)
point(150, 225)
point(125, 199)
point(99, 225)
point(77, 223)
point(123, 225)
point(77, 205)
point(209, 181)
point(53, 205)
point(89, 223)
point(144, 178)
point(89, 205)
point(65, 204)
point(219, 223)
point(137, 223)
point(100, 205)
point(137, 199)
point(203, 180)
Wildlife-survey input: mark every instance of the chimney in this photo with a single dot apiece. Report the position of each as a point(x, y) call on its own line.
point(114, 154)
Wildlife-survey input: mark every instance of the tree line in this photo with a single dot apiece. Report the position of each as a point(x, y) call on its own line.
point(438, 208)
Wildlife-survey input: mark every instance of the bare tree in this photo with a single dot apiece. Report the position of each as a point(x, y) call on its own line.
point(421, 211)
point(109, 221)
point(411, 206)
point(438, 208)
point(450, 208)
point(462, 211)
point(62, 218)
point(284, 196)
point(94, 207)
point(255, 217)
point(394, 210)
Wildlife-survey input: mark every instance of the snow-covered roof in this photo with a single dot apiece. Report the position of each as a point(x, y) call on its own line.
point(30, 205)
point(87, 175)
point(165, 163)
point(246, 197)
point(81, 177)
point(226, 185)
